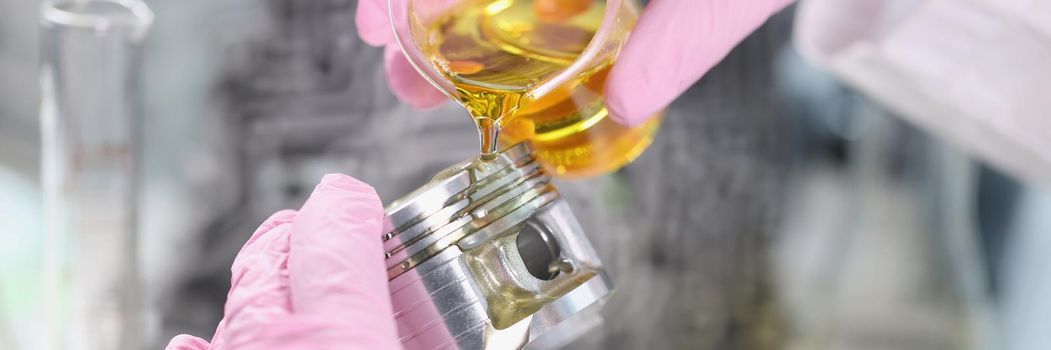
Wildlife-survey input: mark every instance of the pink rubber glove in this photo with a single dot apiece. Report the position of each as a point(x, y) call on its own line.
point(674, 43)
point(310, 280)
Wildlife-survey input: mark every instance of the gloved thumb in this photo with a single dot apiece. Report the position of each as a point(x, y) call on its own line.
point(673, 44)
point(336, 267)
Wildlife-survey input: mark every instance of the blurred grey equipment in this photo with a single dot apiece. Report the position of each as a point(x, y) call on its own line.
point(89, 115)
point(488, 254)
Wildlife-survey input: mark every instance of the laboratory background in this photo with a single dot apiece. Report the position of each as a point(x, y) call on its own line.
point(883, 186)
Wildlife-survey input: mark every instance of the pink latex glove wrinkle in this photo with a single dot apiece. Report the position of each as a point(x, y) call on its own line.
point(674, 43)
point(310, 280)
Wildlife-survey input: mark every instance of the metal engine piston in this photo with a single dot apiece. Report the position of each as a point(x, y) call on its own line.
point(489, 255)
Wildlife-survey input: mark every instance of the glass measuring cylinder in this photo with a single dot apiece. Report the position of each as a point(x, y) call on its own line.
point(89, 115)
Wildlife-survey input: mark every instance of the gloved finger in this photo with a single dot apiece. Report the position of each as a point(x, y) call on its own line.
point(186, 342)
point(673, 44)
point(407, 84)
point(336, 267)
point(259, 287)
point(277, 219)
point(373, 22)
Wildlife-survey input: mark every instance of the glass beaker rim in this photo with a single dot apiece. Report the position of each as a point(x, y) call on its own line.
point(133, 15)
point(610, 22)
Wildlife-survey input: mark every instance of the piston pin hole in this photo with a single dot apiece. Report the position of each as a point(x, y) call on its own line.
point(540, 252)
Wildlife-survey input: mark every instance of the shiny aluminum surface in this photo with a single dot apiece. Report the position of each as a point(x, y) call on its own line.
point(466, 256)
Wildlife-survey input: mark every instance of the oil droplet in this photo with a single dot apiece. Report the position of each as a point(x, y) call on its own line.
point(488, 132)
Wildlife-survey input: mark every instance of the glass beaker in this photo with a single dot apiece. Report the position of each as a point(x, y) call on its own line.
point(529, 70)
point(89, 117)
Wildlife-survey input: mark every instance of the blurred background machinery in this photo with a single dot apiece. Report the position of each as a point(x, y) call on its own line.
point(777, 208)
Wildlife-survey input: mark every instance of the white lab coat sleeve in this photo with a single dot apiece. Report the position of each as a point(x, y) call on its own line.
point(974, 72)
